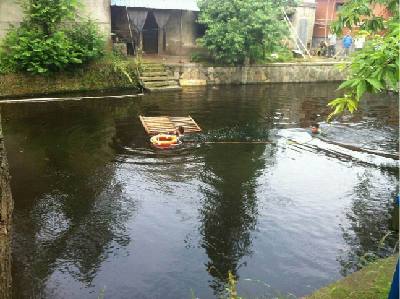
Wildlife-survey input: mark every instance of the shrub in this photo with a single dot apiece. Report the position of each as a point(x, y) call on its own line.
point(243, 30)
point(43, 43)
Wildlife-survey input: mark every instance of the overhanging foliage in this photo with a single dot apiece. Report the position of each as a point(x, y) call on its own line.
point(375, 68)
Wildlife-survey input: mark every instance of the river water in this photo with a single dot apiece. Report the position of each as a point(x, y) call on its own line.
point(98, 212)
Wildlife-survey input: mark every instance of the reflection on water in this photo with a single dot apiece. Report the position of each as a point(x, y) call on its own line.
point(228, 212)
point(368, 219)
point(96, 208)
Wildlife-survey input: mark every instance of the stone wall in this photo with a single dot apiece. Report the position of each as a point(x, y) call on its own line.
point(6, 208)
point(195, 74)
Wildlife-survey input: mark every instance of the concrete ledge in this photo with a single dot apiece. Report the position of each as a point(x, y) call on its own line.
point(192, 82)
point(196, 74)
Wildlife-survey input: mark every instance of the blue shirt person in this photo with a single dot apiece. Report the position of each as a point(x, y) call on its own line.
point(347, 42)
point(394, 289)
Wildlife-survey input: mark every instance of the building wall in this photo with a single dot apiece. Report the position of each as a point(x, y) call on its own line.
point(325, 13)
point(303, 20)
point(100, 12)
point(181, 36)
point(10, 14)
point(97, 10)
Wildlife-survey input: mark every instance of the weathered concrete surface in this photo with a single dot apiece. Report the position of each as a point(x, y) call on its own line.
point(97, 10)
point(6, 208)
point(10, 14)
point(195, 74)
point(180, 30)
point(181, 33)
point(100, 12)
point(304, 19)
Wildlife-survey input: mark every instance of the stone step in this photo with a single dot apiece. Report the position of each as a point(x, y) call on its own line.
point(158, 78)
point(153, 74)
point(153, 68)
point(165, 88)
point(151, 64)
point(159, 84)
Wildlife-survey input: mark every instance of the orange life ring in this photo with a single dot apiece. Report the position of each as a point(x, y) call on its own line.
point(164, 141)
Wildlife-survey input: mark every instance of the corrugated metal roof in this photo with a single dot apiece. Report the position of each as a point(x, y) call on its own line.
point(159, 4)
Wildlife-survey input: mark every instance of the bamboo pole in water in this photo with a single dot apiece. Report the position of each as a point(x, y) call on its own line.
point(237, 142)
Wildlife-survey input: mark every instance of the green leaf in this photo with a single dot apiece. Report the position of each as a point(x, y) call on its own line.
point(361, 89)
point(375, 83)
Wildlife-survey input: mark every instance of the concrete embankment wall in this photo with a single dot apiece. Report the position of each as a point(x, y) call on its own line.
point(6, 208)
point(95, 77)
point(195, 74)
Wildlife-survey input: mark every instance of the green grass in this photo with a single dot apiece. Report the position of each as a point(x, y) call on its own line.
point(371, 282)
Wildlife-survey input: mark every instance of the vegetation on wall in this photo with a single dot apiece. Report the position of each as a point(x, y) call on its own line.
point(50, 38)
point(108, 73)
point(240, 31)
point(375, 68)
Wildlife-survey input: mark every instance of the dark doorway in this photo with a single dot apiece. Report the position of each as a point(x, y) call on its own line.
point(150, 35)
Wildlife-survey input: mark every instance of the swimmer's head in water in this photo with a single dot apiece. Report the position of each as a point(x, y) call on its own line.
point(315, 128)
point(180, 130)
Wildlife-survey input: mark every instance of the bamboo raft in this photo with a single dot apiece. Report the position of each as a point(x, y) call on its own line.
point(168, 124)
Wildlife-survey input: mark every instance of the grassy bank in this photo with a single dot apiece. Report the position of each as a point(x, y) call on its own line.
point(372, 282)
point(105, 74)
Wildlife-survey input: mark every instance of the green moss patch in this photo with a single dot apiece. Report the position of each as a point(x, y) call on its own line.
point(101, 75)
point(372, 282)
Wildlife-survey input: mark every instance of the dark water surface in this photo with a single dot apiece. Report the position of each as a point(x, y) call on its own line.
point(98, 211)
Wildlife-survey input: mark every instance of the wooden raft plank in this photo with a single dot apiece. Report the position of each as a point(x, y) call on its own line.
point(156, 125)
point(166, 124)
point(188, 124)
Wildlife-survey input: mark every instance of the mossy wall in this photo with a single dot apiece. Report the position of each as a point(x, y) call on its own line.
point(96, 76)
point(6, 208)
point(196, 74)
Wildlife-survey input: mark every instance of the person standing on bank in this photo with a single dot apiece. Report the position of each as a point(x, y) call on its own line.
point(359, 42)
point(331, 44)
point(347, 42)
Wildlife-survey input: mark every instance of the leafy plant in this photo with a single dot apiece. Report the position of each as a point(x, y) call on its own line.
point(121, 65)
point(86, 41)
point(238, 31)
point(232, 287)
point(375, 68)
point(45, 42)
point(48, 14)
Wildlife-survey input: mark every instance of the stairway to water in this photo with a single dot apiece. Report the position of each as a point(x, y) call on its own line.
point(155, 77)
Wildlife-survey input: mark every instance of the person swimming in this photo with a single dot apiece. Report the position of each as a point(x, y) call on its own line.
point(179, 132)
point(315, 129)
